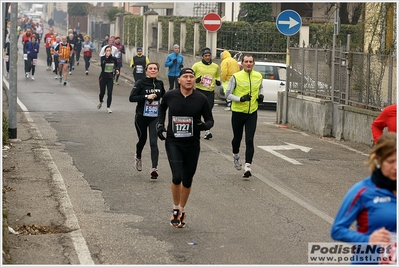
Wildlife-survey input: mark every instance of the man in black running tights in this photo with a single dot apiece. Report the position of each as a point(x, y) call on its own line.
point(186, 108)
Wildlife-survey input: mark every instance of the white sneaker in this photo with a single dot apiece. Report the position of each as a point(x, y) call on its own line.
point(27, 75)
point(7, 75)
point(237, 163)
point(33, 78)
point(87, 72)
point(247, 171)
point(138, 164)
point(70, 73)
point(109, 110)
point(56, 77)
point(99, 105)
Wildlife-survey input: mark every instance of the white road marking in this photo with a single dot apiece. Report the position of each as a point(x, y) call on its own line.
point(66, 206)
point(272, 150)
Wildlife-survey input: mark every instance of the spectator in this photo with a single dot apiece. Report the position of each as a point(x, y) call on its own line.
point(386, 119)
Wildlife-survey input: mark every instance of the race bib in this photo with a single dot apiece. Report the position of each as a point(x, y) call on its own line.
point(119, 55)
point(109, 67)
point(182, 126)
point(150, 109)
point(7, 58)
point(86, 48)
point(139, 69)
point(206, 81)
point(49, 39)
point(25, 56)
point(34, 61)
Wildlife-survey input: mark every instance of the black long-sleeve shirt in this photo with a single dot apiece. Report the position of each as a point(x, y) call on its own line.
point(108, 66)
point(143, 87)
point(195, 105)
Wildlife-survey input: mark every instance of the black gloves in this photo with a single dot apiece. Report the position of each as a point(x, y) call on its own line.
point(201, 126)
point(260, 98)
point(160, 130)
point(244, 98)
point(198, 79)
point(175, 60)
point(217, 83)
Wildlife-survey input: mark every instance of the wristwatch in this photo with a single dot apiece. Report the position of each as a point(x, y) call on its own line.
point(146, 96)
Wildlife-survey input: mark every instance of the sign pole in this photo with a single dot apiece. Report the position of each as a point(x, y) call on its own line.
point(12, 92)
point(287, 84)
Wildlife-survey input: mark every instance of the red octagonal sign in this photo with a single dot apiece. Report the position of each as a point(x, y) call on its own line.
point(212, 22)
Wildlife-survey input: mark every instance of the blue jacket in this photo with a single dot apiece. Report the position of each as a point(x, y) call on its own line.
point(174, 68)
point(370, 206)
point(32, 48)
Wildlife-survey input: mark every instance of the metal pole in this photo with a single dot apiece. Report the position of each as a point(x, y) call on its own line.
point(348, 69)
point(12, 93)
point(333, 68)
point(287, 82)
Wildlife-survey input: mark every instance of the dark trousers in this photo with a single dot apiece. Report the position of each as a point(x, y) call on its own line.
point(109, 85)
point(78, 54)
point(173, 84)
point(56, 65)
point(49, 60)
point(29, 66)
point(72, 62)
point(142, 123)
point(183, 162)
point(87, 62)
point(240, 120)
point(210, 95)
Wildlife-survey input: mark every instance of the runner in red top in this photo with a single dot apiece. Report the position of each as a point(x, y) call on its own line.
point(49, 38)
point(387, 118)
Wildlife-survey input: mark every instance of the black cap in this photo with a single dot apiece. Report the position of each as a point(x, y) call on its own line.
point(187, 70)
point(206, 50)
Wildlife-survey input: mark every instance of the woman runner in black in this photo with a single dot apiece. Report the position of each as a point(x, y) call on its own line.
point(109, 65)
point(147, 92)
point(186, 107)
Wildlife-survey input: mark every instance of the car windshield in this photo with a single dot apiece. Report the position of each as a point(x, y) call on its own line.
point(268, 72)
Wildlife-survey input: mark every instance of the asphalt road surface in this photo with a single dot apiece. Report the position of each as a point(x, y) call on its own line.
point(120, 216)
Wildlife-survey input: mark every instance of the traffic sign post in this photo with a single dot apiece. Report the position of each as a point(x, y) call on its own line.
point(212, 23)
point(288, 22)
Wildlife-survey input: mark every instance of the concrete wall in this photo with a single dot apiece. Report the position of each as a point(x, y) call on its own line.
point(316, 116)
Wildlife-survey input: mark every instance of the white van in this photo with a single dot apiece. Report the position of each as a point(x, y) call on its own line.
point(37, 8)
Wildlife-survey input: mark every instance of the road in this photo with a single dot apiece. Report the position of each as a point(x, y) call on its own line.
point(120, 216)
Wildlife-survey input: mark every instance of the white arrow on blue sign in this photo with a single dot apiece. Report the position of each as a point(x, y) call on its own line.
point(288, 22)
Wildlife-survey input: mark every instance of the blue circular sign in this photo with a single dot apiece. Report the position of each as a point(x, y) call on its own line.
point(288, 22)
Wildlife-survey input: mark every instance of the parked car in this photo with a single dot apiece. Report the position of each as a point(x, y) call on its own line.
point(274, 80)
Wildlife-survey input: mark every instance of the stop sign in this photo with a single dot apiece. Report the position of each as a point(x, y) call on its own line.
point(212, 22)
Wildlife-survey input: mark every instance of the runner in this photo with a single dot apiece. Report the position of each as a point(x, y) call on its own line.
point(64, 52)
point(186, 106)
point(147, 92)
point(109, 65)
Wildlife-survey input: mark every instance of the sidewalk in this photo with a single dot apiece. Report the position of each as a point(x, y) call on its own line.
point(30, 207)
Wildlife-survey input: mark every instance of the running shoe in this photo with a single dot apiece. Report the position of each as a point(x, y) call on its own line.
point(109, 110)
point(174, 221)
point(60, 79)
point(208, 135)
point(56, 77)
point(154, 173)
point(182, 222)
point(87, 72)
point(99, 105)
point(138, 164)
point(33, 77)
point(237, 163)
point(247, 172)
point(27, 75)
point(116, 82)
point(65, 83)
point(70, 73)
point(77, 62)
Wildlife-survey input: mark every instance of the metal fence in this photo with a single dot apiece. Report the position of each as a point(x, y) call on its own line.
point(360, 79)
